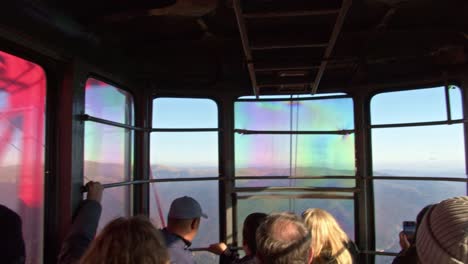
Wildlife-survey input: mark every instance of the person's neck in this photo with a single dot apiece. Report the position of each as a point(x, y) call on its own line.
point(186, 236)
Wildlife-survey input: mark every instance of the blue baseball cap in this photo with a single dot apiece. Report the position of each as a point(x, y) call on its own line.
point(186, 208)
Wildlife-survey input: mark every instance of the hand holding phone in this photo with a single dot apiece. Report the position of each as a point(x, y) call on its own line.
point(409, 229)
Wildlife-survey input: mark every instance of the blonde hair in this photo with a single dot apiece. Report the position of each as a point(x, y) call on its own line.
point(328, 239)
point(128, 241)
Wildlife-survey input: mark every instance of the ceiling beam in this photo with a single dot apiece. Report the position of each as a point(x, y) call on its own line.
point(292, 13)
point(245, 46)
point(331, 44)
point(269, 46)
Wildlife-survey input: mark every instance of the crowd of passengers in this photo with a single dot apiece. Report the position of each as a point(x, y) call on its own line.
point(279, 238)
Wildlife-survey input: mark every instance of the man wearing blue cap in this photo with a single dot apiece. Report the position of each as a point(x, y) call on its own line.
point(183, 222)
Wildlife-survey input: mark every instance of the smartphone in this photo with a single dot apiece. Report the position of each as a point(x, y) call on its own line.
point(409, 228)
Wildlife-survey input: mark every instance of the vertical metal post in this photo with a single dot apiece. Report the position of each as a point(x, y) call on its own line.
point(464, 92)
point(141, 160)
point(364, 223)
point(70, 133)
point(227, 216)
point(447, 99)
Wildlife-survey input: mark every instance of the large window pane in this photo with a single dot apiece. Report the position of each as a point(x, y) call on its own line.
point(435, 151)
point(421, 105)
point(342, 210)
point(184, 154)
point(108, 102)
point(398, 201)
point(294, 155)
point(116, 202)
point(108, 153)
point(184, 113)
point(328, 114)
point(22, 133)
point(205, 192)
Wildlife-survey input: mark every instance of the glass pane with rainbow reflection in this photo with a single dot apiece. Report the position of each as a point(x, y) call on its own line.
point(341, 209)
point(321, 115)
point(108, 158)
point(295, 155)
point(108, 102)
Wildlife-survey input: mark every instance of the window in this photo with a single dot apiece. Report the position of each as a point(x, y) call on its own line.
point(22, 132)
point(108, 149)
point(413, 135)
point(292, 144)
point(189, 157)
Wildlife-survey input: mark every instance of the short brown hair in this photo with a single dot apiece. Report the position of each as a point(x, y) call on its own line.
point(128, 241)
point(283, 239)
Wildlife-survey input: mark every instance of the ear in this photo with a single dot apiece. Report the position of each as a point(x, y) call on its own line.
point(195, 223)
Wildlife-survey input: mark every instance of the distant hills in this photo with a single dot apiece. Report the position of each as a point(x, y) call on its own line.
point(395, 201)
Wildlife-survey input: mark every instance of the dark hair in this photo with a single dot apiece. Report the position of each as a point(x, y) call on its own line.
point(251, 224)
point(12, 248)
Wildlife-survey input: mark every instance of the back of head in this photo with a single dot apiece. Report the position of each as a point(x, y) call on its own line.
point(251, 224)
point(442, 236)
point(283, 239)
point(128, 241)
point(329, 240)
point(12, 248)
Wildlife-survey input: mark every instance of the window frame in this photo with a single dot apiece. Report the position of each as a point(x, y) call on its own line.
point(130, 140)
point(448, 121)
point(222, 177)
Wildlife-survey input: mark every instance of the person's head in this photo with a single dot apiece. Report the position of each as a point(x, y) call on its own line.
point(184, 217)
point(12, 248)
point(329, 239)
point(128, 241)
point(283, 239)
point(251, 224)
point(442, 236)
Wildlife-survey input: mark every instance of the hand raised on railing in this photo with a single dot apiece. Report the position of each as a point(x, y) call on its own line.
point(95, 190)
point(217, 248)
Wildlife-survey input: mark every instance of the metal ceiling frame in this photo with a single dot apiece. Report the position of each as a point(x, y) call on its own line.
point(249, 47)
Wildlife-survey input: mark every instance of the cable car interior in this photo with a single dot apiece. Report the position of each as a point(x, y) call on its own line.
point(357, 107)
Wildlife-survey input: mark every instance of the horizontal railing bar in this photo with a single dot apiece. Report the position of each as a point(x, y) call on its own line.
point(287, 189)
point(136, 182)
point(433, 123)
point(292, 177)
point(291, 13)
point(295, 196)
point(414, 178)
point(294, 99)
point(185, 129)
point(86, 117)
point(117, 124)
point(407, 178)
point(303, 132)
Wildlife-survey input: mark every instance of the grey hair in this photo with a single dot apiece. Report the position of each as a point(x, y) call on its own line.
point(283, 239)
